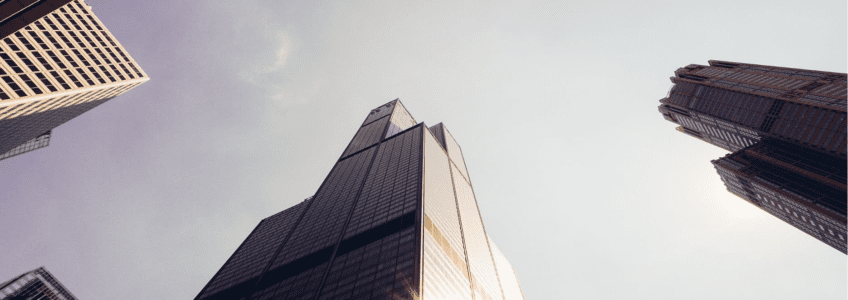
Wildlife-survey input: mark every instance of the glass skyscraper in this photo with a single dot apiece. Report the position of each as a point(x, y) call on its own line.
point(396, 218)
point(58, 63)
point(786, 131)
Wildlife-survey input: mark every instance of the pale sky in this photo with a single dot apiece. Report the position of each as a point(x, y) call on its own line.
point(583, 185)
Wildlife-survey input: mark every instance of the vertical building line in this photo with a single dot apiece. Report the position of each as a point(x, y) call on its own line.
point(470, 278)
point(230, 259)
point(353, 205)
point(286, 240)
point(419, 217)
point(492, 257)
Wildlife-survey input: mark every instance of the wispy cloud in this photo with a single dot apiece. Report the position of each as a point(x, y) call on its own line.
point(264, 63)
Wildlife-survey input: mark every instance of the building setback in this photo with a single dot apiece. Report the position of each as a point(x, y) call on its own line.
point(396, 218)
point(786, 131)
point(54, 69)
point(36, 284)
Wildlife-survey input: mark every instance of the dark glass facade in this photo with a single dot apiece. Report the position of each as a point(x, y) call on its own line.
point(786, 131)
point(35, 284)
point(395, 218)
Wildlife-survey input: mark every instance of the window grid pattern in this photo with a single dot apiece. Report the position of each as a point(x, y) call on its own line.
point(818, 127)
point(36, 284)
point(443, 272)
point(439, 200)
point(257, 251)
point(400, 121)
point(486, 283)
point(367, 136)
point(303, 286)
point(22, 124)
point(379, 270)
point(35, 59)
point(31, 145)
point(37, 68)
point(778, 195)
point(322, 224)
point(379, 112)
point(393, 185)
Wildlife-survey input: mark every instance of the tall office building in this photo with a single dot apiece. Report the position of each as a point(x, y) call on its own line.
point(786, 131)
point(37, 284)
point(396, 218)
point(54, 69)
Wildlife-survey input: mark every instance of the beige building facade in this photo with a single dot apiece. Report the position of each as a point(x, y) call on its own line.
point(55, 69)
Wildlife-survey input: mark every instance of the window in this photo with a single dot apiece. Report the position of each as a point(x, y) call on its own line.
point(90, 41)
point(115, 69)
point(46, 82)
point(96, 75)
point(61, 22)
point(56, 59)
point(69, 58)
point(31, 84)
point(11, 44)
point(65, 39)
point(76, 38)
point(90, 54)
point(24, 41)
point(38, 40)
point(60, 80)
point(70, 19)
point(50, 23)
point(73, 78)
point(9, 61)
point(81, 58)
point(52, 40)
point(41, 59)
point(108, 75)
point(15, 87)
point(93, 21)
point(27, 62)
point(103, 56)
point(85, 76)
point(126, 71)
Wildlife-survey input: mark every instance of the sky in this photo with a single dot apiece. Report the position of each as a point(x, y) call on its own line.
point(582, 184)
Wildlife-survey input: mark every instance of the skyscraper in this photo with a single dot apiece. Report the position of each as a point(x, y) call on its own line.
point(786, 131)
point(396, 218)
point(35, 284)
point(54, 69)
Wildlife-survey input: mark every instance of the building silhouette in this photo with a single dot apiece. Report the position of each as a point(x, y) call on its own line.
point(36, 284)
point(396, 218)
point(786, 131)
point(55, 68)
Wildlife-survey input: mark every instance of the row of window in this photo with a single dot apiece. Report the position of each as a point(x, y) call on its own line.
point(802, 217)
point(67, 79)
point(27, 108)
point(819, 127)
point(11, 45)
point(24, 42)
point(33, 144)
point(786, 83)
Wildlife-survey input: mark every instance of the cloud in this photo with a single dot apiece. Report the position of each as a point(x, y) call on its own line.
point(262, 64)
